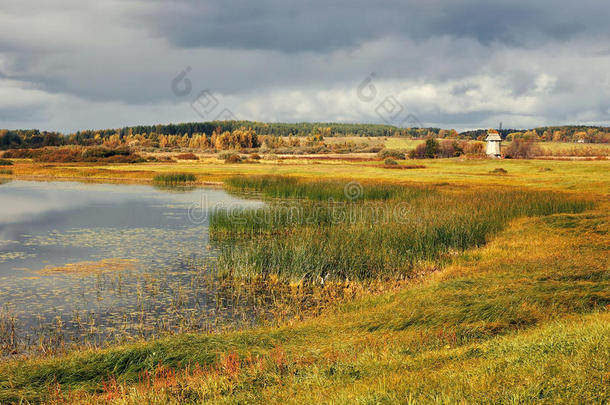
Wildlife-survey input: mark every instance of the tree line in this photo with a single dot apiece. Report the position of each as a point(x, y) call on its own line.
point(251, 134)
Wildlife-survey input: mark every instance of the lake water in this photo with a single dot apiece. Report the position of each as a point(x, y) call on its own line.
point(89, 261)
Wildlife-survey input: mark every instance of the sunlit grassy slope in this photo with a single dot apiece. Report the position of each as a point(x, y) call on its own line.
point(522, 319)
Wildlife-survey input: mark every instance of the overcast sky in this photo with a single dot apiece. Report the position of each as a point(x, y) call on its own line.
point(74, 64)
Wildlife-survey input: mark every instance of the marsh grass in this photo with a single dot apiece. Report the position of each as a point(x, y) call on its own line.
point(317, 190)
point(172, 179)
point(359, 239)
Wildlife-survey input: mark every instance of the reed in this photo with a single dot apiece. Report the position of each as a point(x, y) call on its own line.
point(357, 240)
point(320, 190)
point(170, 179)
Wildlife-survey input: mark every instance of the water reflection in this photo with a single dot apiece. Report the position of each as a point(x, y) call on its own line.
point(89, 261)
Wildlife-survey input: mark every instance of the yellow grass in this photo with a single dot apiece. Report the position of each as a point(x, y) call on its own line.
point(89, 267)
point(577, 176)
point(402, 143)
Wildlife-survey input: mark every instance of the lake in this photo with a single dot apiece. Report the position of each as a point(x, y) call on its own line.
point(92, 262)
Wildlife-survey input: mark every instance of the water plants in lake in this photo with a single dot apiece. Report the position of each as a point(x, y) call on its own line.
point(172, 179)
point(361, 238)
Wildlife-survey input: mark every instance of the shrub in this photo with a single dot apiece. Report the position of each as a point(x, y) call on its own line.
point(6, 171)
point(521, 149)
point(498, 170)
point(390, 162)
point(21, 153)
point(391, 153)
point(255, 156)
point(4, 162)
point(450, 148)
point(428, 150)
point(474, 149)
point(233, 158)
point(187, 156)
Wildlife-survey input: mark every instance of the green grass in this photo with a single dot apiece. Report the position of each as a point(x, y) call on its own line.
point(171, 179)
point(366, 239)
point(321, 190)
point(522, 320)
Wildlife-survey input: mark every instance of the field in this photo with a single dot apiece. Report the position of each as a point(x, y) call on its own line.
point(581, 176)
point(402, 143)
point(501, 295)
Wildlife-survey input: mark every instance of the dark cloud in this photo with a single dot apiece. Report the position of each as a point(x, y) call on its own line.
point(320, 26)
point(71, 64)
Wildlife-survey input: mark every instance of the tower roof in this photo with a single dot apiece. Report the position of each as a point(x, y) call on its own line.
point(493, 136)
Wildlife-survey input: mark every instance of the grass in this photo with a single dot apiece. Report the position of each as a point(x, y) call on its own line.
point(402, 143)
point(291, 187)
point(576, 176)
point(171, 179)
point(521, 317)
point(360, 240)
point(521, 320)
point(574, 149)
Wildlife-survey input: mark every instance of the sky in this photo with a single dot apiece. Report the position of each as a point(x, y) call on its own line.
point(67, 65)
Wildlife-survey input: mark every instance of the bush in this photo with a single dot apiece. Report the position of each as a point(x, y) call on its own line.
point(390, 162)
point(521, 149)
point(187, 156)
point(428, 150)
point(498, 170)
point(391, 153)
point(6, 171)
point(450, 148)
point(21, 153)
point(474, 149)
point(255, 156)
point(233, 158)
point(75, 154)
point(4, 162)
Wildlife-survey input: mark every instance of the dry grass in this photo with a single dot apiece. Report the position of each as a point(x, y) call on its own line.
point(90, 267)
point(576, 176)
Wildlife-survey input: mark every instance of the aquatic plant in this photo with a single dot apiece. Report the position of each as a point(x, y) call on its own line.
point(360, 240)
point(320, 190)
point(169, 179)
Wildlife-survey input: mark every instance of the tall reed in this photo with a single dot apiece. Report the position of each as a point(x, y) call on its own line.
point(320, 190)
point(309, 241)
point(171, 179)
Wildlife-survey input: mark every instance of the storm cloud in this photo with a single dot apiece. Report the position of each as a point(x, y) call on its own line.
point(68, 65)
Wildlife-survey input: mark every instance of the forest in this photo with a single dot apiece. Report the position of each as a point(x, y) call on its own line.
point(222, 135)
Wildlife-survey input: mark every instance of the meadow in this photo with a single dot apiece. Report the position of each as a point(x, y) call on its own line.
point(453, 283)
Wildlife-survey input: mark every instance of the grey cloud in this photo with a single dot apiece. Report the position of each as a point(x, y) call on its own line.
point(452, 63)
point(320, 26)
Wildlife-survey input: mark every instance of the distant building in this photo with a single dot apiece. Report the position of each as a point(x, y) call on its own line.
point(493, 143)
